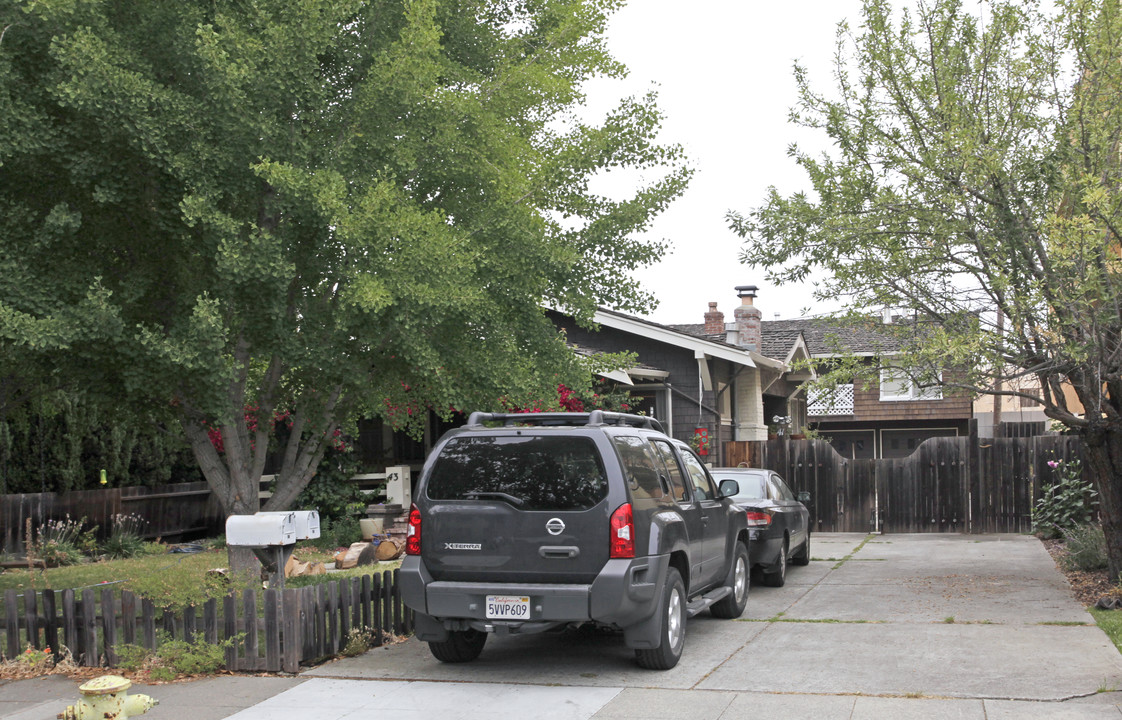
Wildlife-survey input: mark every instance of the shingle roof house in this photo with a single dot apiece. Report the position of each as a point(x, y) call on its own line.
point(694, 381)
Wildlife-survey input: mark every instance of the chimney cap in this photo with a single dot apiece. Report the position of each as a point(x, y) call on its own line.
point(712, 306)
point(746, 291)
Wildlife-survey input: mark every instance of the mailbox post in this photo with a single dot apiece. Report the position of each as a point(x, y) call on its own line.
point(272, 536)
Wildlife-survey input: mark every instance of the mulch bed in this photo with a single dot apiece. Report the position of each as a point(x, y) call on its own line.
point(1087, 586)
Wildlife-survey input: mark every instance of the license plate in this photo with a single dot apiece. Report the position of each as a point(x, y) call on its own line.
point(508, 607)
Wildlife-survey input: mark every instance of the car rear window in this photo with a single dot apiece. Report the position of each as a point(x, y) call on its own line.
point(529, 472)
point(753, 486)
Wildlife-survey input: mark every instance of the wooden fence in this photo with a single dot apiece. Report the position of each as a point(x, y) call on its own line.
point(278, 631)
point(951, 484)
point(170, 510)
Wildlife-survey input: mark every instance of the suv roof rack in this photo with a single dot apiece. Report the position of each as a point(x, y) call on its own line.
point(596, 417)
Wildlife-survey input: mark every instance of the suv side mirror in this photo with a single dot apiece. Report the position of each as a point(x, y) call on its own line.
point(804, 498)
point(729, 488)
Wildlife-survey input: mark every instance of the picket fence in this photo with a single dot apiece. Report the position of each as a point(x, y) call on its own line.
point(276, 632)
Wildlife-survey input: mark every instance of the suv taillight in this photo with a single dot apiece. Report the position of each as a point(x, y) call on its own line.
point(622, 533)
point(758, 518)
point(413, 539)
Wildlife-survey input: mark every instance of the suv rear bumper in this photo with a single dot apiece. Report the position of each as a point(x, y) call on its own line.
point(624, 593)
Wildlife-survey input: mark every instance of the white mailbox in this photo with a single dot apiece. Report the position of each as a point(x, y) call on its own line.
point(258, 531)
point(307, 522)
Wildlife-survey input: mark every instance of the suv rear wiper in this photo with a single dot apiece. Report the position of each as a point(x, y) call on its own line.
point(476, 494)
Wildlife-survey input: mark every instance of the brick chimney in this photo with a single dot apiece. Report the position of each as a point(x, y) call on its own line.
point(747, 319)
point(714, 321)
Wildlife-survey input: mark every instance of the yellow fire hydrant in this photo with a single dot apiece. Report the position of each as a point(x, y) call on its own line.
point(107, 698)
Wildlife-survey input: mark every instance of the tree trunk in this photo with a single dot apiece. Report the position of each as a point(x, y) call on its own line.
point(1103, 454)
point(245, 568)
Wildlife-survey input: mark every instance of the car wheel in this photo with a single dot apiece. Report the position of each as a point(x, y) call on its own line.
point(732, 605)
point(803, 555)
point(778, 575)
point(461, 646)
point(672, 634)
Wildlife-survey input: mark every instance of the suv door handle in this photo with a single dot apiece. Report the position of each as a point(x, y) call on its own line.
point(559, 551)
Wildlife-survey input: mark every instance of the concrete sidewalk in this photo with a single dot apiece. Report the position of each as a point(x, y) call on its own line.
point(898, 626)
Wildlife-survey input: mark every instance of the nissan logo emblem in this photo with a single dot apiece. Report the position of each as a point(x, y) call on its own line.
point(554, 526)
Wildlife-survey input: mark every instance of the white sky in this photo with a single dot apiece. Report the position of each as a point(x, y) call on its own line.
point(723, 71)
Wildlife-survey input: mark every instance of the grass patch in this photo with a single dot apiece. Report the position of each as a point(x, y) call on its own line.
point(1110, 622)
point(170, 580)
point(1065, 623)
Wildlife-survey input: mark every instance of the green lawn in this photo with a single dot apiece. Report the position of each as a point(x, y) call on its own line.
point(1110, 621)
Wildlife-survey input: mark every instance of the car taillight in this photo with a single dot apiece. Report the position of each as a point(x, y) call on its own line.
point(413, 538)
point(758, 518)
point(622, 538)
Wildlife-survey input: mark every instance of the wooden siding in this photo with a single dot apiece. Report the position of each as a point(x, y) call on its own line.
point(956, 405)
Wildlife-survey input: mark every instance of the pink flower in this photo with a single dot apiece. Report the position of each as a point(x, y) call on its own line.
point(1053, 464)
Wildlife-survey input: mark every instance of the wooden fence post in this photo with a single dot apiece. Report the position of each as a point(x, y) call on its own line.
point(344, 614)
point(376, 601)
point(230, 628)
point(291, 626)
point(70, 623)
point(356, 604)
point(210, 621)
point(50, 627)
point(974, 479)
point(11, 624)
point(307, 623)
point(31, 618)
point(189, 624)
point(272, 632)
point(128, 617)
point(249, 604)
point(148, 623)
point(109, 625)
point(320, 613)
point(88, 628)
point(333, 618)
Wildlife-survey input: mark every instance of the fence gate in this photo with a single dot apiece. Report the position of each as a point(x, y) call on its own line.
point(950, 484)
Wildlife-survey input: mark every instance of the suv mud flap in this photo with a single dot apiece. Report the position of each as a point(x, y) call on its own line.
point(414, 577)
point(428, 629)
point(642, 623)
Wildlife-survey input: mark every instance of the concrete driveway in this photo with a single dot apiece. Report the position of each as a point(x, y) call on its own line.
point(897, 626)
point(957, 626)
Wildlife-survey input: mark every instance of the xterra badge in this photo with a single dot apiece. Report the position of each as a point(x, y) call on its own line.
point(462, 546)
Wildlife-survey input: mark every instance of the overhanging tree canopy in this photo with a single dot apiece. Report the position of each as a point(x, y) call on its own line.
point(974, 184)
point(321, 206)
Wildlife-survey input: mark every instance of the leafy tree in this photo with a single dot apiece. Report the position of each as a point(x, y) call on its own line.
point(326, 207)
point(974, 185)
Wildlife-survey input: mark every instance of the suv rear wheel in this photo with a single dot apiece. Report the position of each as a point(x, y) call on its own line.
point(672, 633)
point(461, 646)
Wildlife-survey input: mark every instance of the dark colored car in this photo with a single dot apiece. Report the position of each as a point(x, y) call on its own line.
point(778, 522)
point(526, 523)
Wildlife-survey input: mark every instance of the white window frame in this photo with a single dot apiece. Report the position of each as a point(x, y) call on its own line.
point(913, 393)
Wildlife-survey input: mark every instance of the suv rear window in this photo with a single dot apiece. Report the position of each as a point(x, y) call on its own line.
point(530, 472)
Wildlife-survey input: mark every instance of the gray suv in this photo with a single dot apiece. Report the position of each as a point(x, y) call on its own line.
point(531, 522)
